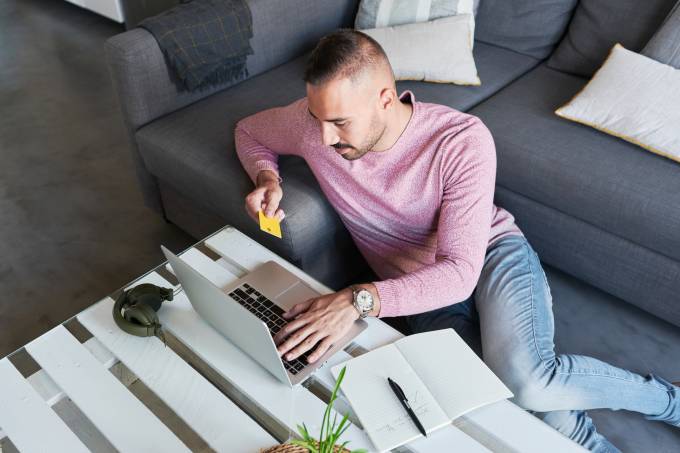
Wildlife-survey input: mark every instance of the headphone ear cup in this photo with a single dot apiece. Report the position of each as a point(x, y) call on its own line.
point(123, 323)
point(143, 315)
point(135, 309)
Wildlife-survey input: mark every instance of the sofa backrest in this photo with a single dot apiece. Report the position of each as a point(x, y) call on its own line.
point(285, 29)
point(599, 24)
point(530, 27)
point(282, 30)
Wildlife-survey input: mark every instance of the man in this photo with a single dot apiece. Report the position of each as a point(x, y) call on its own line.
point(413, 183)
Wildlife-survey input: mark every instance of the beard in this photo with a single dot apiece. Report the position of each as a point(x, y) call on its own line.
point(376, 131)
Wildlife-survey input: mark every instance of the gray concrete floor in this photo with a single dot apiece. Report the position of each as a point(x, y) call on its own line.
point(72, 223)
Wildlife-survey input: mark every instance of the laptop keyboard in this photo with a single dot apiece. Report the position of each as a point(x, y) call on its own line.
point(271, 314)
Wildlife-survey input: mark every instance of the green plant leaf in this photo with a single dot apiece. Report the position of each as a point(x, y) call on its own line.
point(304, 432)
point(329, 432)
point(322, 434)
point(345, 420)
point(303, 444)
point(340, 433)
point(331, 428)
point(333, 438)
point(344, 424)
point(325, 429)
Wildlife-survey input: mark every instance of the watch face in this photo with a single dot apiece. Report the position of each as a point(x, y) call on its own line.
point(365, 300)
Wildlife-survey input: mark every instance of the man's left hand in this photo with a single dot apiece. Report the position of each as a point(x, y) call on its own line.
point(322, 320)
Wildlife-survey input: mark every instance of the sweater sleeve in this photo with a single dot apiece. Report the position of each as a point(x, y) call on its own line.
point(262, 137)
point(468, 172)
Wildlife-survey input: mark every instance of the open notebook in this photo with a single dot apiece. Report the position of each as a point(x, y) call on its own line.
point(440, 375)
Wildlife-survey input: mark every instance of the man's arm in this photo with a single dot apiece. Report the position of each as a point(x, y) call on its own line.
point(469, 173)
point(261, 137)
point(320, 322)
point(469, 176)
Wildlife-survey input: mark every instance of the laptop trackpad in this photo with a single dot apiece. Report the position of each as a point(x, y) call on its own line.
point(297, 293)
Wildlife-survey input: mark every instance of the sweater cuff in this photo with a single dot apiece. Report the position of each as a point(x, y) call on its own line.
point(264, 165)
point(389, 299)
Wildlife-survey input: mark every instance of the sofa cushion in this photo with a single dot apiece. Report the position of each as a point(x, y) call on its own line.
point(599, 24)
point(436, 51)
point(531, 27)
point(387, 13)
point(632, 97)
point(196, 143)
point(497, 67)
point(587, 174)
point(665, 44)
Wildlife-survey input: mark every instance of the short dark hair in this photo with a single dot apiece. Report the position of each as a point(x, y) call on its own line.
point(344, 53)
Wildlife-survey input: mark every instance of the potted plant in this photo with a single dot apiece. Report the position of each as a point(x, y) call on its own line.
point(328, 437)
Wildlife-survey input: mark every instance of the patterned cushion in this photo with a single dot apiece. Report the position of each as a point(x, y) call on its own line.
point(386, 13)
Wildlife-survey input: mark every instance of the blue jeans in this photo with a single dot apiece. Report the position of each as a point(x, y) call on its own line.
point(508, 321)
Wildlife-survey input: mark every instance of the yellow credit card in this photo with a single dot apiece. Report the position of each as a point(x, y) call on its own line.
point(270, 225)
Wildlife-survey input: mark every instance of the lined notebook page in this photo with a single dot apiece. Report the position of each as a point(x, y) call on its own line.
point(454, 375)
point(377, 407)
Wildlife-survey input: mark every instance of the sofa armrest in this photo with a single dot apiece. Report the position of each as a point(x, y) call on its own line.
point(282, 30)
point(314, 236)
point(147, 89)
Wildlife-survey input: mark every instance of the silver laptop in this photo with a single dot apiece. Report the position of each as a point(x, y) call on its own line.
point(249, 313)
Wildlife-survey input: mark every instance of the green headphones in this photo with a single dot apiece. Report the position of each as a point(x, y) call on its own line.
point(135, 310)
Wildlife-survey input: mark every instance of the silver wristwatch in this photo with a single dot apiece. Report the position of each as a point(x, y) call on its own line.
point(362, 300)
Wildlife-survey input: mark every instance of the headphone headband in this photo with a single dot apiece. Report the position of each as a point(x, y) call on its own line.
point(135, 310)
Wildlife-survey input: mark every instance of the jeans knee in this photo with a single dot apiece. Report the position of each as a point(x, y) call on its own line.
point(531, 395)
point(532, 387)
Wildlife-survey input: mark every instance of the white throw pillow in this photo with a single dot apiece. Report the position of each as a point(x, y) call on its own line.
point(436, 51)
point(632, 97)
point(389, 13)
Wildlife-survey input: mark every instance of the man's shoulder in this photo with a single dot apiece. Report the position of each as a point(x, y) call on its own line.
point(292, 116)
point(451, 125)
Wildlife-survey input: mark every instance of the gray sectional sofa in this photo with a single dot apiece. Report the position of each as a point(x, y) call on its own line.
point(593, 206)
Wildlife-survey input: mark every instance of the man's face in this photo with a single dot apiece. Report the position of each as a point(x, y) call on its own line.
point(349, 116)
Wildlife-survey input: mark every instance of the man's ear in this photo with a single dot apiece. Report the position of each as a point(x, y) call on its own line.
point(387, 98)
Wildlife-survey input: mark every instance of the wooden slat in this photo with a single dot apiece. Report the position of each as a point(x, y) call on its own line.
point(27, 420)
point(517, 428)
point(196, 401)
point(236, 247)
point(116, 412)
point(289, 406)
point(46, 387)
point(50, 391)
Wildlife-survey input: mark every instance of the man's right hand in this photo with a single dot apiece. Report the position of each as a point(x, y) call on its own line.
point(266, 197)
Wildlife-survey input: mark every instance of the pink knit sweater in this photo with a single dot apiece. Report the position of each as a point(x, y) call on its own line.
point(421, 212)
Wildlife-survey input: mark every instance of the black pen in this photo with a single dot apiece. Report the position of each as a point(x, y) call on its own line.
point(404, 402)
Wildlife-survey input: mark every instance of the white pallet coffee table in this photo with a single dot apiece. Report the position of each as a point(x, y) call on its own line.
point(86, 385)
